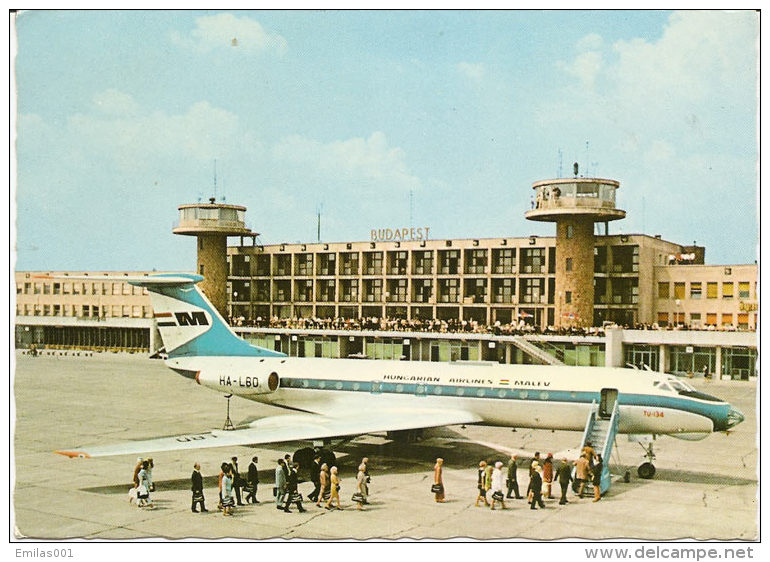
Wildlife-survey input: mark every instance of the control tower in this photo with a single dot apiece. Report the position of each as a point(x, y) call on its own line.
point(575, 204)
point(212, 223)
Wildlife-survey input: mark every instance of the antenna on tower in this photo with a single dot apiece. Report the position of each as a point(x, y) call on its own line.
point(560, 163)
point(411, 206)
point(215, 179)
point(588, 161)
point(318, 213)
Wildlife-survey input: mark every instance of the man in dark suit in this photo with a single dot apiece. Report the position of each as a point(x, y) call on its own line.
point(237, 480)
point(253, 479)
point(564, 475)
point(315, 478)
point(536, 486)
point(197, 489)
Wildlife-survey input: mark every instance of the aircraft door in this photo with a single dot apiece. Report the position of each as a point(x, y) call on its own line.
point(609, 397)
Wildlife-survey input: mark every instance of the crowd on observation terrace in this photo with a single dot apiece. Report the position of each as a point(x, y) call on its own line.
point(440, 326)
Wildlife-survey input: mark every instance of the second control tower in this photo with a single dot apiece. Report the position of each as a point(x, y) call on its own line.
point(575, 204)
point(211, 223)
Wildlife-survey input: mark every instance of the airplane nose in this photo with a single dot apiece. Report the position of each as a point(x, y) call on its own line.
point(734, 417)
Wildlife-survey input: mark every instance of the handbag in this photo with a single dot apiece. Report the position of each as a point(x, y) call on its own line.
point(437, 488)
point(498, 495)
point(357, 497)
point(275, 491)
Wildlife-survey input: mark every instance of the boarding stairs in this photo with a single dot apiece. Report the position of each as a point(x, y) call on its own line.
point(600, 431)
point(535, 351)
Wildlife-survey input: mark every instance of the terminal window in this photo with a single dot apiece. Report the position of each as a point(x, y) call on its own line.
point(663, 289)
point(695, 290)
point(423, 262)
point(712, 290)
point(503, 261)
point(743, 289)
point(727, 290)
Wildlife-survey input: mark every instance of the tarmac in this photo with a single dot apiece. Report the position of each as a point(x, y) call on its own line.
point(702, 490)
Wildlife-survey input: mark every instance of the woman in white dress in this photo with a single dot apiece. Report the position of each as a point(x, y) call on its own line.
point(498, 481)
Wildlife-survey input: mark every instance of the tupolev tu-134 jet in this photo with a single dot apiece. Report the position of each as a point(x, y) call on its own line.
point(333, 398)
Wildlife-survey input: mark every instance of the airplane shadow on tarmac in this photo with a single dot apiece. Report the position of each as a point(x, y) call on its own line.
point(397, 457)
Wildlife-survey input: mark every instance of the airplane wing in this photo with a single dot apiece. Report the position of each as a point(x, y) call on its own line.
point(290, 427)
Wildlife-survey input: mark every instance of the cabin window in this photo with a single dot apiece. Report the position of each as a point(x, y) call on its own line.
point(338, 385)
point(460, 391)
point(480, 392)
point(523, 393)
point(305, 383)
point(544, 395)
point(322, 384)
point(356, 386)
point(399, 388)
point(420, 389)
point(502, 393)
point(437, 390)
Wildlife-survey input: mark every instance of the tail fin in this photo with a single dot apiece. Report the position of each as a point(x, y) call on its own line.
point(188, 323)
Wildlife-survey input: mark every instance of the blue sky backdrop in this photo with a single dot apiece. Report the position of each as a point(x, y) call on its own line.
point(384, 118)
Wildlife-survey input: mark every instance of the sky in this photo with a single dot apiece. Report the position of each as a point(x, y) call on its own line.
point(379, 119)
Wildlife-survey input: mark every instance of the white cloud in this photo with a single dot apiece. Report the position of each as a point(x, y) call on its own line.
point(226, 31)
point(115, 102)
point(473, 71)
point(369, 160)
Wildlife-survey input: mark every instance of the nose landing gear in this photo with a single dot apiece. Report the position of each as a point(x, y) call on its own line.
point(646, 470)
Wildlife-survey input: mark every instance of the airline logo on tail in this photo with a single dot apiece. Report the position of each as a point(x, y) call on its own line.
point(194, 318)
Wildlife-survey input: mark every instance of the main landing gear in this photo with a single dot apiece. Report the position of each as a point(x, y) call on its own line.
point(646, 470)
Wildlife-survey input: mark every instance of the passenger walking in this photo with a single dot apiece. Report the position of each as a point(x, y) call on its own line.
point(222, 470)
point(535, 460)
point(497, 486)
point(315, 478)
point(292, 494)
point(438, 480)
point(196, 481)
point(536, 487)
point(358, 496)
point(281, 477)
point(150, 466)
point(547, 475)
point(481, 484)
point(334, 482)
point(137, 468)
point(143, 491)
point(367, 480)
point(597, 478)
point(581, 474)
point(564, 475)
point(252, 480)
point(512, 480)
point(237, 479)
point(228, 501)
point(324, 492)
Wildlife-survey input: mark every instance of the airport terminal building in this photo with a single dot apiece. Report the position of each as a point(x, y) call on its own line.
point(506, 299)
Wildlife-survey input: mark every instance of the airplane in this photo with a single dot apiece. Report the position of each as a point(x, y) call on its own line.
point(336, 398)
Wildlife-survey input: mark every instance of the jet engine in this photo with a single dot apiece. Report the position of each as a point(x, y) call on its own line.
point(243, 384)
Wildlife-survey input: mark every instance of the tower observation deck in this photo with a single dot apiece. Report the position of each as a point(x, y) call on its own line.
point(575, 204)
point(211, 223)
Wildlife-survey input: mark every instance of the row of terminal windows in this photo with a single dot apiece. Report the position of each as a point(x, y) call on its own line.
point(69, 288)
point(699, 320)
point(696, 290)
point(532, 290)
point(423, 262)
point(84, 311)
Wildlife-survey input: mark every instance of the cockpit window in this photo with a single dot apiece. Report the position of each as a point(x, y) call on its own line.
point(680, 386)
point(664, 386)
